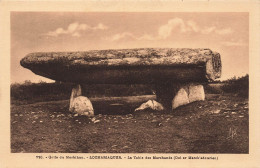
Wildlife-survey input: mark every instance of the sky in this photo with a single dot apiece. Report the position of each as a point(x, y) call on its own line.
point(225, 33)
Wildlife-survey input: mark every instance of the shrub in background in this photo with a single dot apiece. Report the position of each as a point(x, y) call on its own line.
point(239, 86)
point(29, 92)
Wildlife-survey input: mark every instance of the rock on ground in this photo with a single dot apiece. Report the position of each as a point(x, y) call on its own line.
point(151, 104)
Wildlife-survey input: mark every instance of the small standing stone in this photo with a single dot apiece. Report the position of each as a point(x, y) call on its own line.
point(80, 104)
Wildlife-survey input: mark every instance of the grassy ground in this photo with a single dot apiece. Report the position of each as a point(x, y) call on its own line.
point(217, 125)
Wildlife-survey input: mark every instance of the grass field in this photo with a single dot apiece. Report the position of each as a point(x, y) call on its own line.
point(217, 125)
point(41, 122)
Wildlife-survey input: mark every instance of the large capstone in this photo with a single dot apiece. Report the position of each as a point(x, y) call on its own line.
point(127, 66)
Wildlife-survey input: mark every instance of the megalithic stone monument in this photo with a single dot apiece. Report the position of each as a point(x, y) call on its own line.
point(176, 73)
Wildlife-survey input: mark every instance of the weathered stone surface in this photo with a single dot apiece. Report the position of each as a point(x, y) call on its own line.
point(80, 104)
point(145, 65)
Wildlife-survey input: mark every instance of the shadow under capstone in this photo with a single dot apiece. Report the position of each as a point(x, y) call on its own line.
point(112, 108)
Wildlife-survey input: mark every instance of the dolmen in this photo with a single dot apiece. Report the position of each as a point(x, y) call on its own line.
point(177, 74)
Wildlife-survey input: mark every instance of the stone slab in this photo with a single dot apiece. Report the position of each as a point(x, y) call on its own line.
point(144, 65)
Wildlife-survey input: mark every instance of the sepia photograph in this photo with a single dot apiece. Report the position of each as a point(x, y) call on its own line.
point(129, 82)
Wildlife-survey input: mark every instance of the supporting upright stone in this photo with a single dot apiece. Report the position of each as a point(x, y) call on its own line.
point(80, 104)
point(181, 98)
point(196, 93)
point(76, 92)
point(187, 94)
